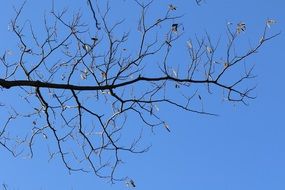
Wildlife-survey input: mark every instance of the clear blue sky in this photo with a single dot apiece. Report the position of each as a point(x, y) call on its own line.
point(243, 148)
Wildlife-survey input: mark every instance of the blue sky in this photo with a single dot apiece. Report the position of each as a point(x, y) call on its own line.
point(242, 148)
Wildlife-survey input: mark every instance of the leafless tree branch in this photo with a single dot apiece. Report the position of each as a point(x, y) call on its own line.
point(85, 88)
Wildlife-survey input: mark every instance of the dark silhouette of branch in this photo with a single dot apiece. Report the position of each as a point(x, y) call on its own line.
point(84, 86)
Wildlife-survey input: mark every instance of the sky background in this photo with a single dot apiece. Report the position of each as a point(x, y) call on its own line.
point(242, 148)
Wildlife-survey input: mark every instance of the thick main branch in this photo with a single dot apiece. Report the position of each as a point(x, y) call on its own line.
point(17, 83)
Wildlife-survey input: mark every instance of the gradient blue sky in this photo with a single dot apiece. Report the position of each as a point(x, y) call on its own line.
point(243, 148)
